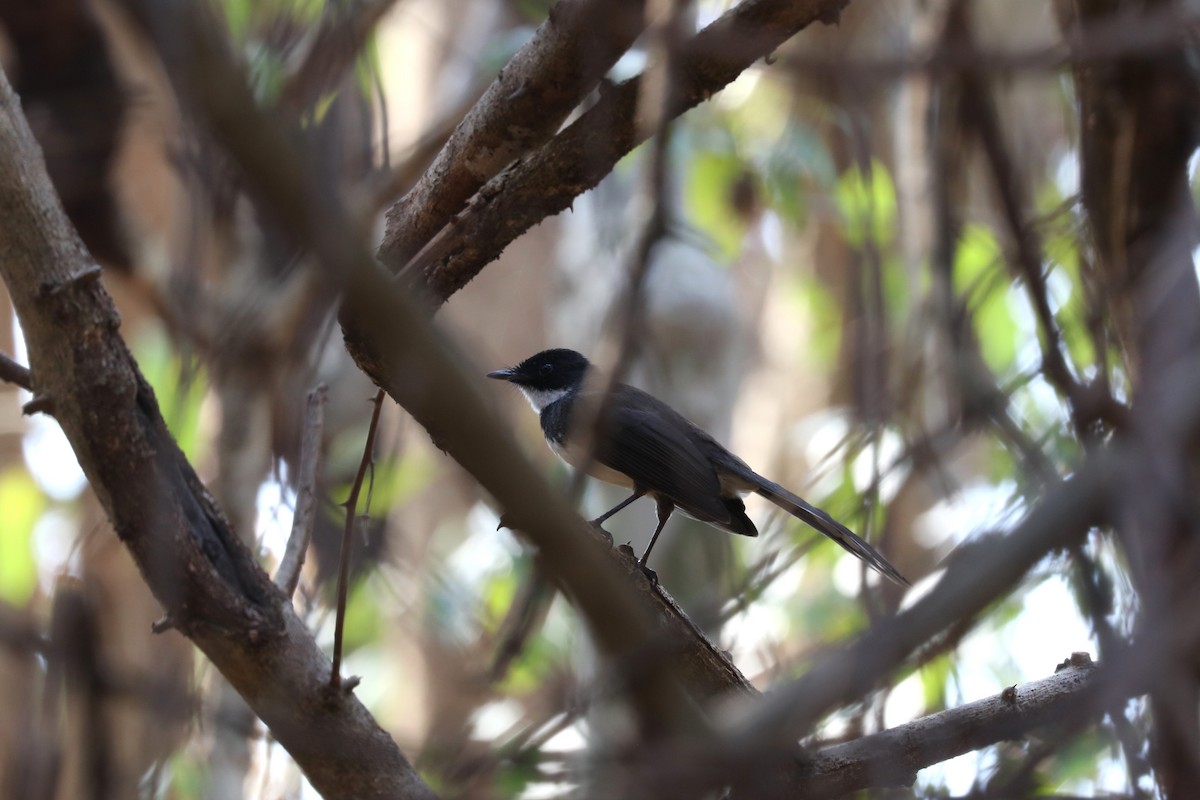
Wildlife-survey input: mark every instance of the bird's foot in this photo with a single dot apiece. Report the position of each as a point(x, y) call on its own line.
point(650, 574)
point(596, 526)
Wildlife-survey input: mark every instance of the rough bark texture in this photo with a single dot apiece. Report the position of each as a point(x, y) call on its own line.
point(208, 581)
point(579, 42)
point(893, 757)
point(549, 179)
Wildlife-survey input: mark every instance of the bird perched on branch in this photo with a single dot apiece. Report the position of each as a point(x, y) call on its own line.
point(646, 446)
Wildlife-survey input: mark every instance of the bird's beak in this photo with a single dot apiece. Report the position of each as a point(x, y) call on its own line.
point(502, 374)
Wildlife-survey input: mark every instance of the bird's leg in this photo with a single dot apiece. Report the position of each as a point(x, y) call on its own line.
point(665, 507)
point(600, 519)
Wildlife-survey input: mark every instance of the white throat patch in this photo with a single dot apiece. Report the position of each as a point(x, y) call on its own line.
point(540, 398)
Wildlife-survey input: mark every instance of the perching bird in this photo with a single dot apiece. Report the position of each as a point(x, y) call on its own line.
point(646, 446)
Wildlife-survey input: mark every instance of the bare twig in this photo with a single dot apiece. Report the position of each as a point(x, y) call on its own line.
point(979, 114)
point(288, 574)
point(14, 373)
point(351, 505)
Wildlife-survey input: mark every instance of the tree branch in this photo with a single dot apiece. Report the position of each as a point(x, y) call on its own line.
point(287, 577)
point(547, 78)
point(394, 341)
point(1140, 125)
point(14, 373)
point(893, 757)
point(574, 161)
point(194, 563)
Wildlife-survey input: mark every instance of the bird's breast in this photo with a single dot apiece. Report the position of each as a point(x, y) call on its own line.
point(578, 457)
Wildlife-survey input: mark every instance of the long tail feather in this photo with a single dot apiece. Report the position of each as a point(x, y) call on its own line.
point(827, 525)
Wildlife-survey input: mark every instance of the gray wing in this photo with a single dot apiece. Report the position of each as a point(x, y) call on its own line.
point(644, 439)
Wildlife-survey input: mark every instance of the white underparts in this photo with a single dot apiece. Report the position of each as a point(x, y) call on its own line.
point(578, 458)
point(540, 398)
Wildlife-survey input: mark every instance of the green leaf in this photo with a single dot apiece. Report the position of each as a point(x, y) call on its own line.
point(978, 277)
point(867, 202)
point(23, 504)
point(189, 778)
point(934, 677)
point(363, 621)
point(711, 179)
point(976, 259)
point(180, 392)
point(392, 483)
point(1077, 761)
point(815, 301)
point(1062, 251)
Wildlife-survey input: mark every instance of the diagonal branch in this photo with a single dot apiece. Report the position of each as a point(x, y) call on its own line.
point(547, 181)
point(197, 567)
point(579, 42)
point(396, 344)
point(894, 756)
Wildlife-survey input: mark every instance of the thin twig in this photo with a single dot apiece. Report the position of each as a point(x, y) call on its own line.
point(14, 373)
point(980, 115)
point(335, 676)
point(288, 574)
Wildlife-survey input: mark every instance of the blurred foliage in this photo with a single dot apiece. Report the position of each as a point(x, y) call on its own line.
point(22, 504)
point(180, 388)
point(712, 176)
point(866, 199)
point(813, 300)
point(980, 278)
point(189, 777)
point(247, 18)
point(364, 622)
point(390, 481)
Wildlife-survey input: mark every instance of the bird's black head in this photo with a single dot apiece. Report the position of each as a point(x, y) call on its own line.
point(550, 371)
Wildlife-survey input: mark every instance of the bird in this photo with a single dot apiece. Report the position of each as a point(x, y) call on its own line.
point(644, 445)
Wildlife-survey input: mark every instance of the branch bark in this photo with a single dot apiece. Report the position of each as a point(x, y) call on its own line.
point(1140, 124)
point(574, 161)
point(893, 757)
point(579, 42)
point(197, 567)
point(396, 344)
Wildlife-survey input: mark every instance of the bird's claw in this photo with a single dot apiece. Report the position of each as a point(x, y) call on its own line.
point(650, 574)
point(597, 527)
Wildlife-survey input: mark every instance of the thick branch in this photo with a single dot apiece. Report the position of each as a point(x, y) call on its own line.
point(395, 342)
point(579, 41)
point(194, 563)
point(893, 757)
point(577, 159)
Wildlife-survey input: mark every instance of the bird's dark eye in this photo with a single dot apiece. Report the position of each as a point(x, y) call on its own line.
point(546, 369)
